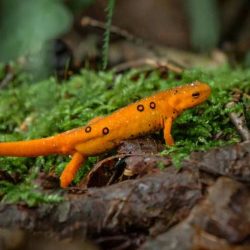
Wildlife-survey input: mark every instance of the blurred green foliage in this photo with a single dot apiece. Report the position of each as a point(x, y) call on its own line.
point(247, 59)
point(204, 23)
point(27, 28)
point(53, 107)
point(27, 25)
point(78, 5)
point(24, 193)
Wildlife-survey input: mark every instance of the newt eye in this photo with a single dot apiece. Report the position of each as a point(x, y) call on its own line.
point(196, 94)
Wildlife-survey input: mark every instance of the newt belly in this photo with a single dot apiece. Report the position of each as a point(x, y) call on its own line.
point(101, 134)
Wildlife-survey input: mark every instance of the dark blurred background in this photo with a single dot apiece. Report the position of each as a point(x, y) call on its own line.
point(50, 36)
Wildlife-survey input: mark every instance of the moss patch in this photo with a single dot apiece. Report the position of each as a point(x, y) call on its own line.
point(33, 110)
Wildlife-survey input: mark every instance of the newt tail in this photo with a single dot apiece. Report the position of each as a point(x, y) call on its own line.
point(30, 148)
point(58, 144)
point(103, 133)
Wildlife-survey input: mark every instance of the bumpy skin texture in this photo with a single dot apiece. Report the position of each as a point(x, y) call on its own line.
point(101, 134)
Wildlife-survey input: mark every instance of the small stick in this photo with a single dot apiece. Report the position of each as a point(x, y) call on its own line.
point(88, 21)
point(238, 119)
point(153, 62)
point(8, 77)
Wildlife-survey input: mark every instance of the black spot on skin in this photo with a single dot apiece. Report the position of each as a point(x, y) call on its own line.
point(196, 94)
point(105, 131)
point(176, 91)
point(152, 105)
point(88, 129)
point(140, 107)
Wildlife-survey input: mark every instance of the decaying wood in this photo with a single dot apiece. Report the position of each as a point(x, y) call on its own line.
point(221, 221)
point(150, 204)
point(130, 212)
point(232, 161)
point(21, 240)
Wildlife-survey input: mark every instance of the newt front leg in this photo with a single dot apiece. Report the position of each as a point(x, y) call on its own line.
point(167, 131)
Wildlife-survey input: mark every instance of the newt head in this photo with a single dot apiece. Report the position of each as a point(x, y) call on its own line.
point(189, 95)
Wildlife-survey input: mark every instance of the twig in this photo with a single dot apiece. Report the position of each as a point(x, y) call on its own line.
point(238, 119)
point(9, 76)
point(88, 21)
point(153, 62)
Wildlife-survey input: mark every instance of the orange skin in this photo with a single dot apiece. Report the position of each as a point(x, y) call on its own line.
point(101, 134)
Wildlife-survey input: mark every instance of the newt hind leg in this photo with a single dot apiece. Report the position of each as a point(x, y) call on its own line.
point(167, 131)
point(71, 169)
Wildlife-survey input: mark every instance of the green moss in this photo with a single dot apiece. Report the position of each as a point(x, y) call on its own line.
point(27, 192)
point(52, 107)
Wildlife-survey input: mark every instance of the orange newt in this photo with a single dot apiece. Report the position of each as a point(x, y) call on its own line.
point(103, 133)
